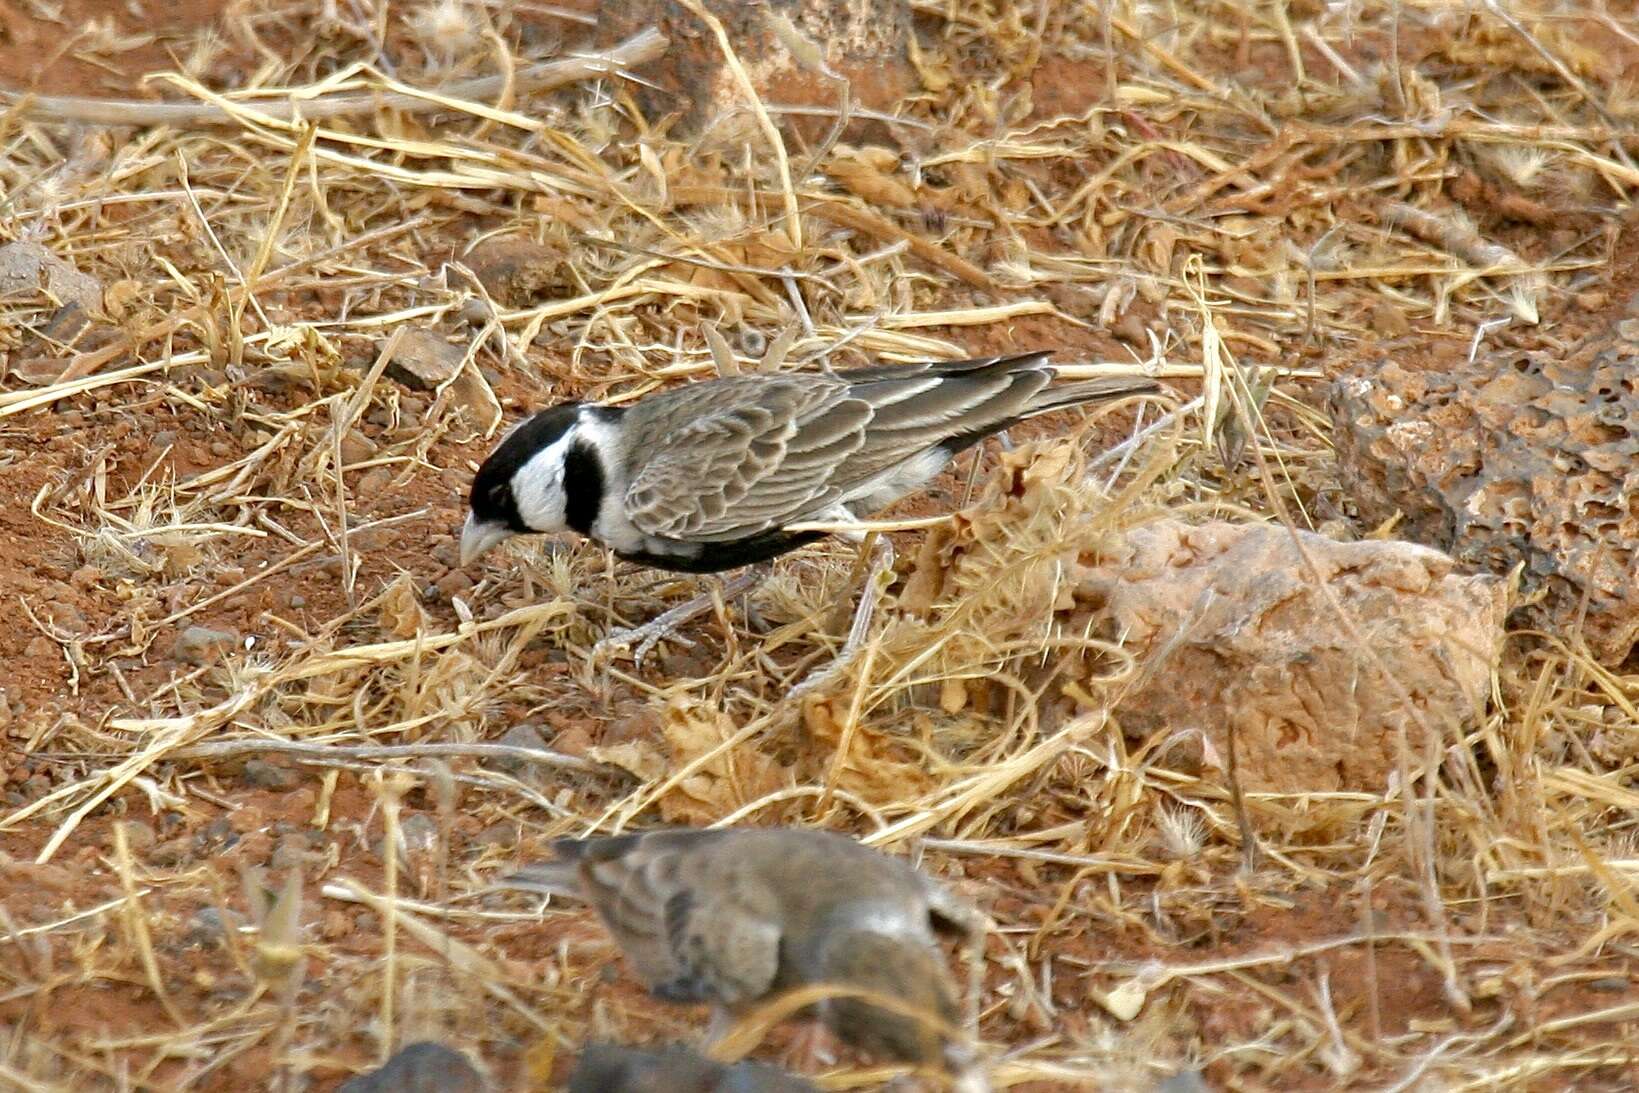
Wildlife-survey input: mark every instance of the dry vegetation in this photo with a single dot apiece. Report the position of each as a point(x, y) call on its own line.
point(1240, 199)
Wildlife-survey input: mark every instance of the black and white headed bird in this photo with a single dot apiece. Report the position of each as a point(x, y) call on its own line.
point(722, 473)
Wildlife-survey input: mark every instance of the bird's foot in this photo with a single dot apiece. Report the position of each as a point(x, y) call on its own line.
point(641, 640)
point(881, 564)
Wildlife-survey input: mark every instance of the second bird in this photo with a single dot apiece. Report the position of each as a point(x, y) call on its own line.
point(713, 475)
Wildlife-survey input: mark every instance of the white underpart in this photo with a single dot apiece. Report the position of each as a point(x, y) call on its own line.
point(896, 482)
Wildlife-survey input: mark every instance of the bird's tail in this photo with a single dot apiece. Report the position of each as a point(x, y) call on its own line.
point(1061, 395)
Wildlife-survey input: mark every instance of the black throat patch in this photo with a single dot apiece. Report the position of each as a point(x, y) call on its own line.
point(582, 486)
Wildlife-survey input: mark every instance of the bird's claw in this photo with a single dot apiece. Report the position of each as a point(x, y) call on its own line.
point(645, 637)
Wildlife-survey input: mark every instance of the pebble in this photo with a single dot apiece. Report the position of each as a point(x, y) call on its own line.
point(1389, 321)
point(206, 928)
point(289, 853)
point(335, 925)
point(1130, 329)
point(525, 736)
point(201, 644)
point(424, 360)
point(452, 584)
point(574, 741)
point(261, 774)
point(138, 835)
point(502, 833)
point(417, 832)
point(446, 551)
point(356, 447)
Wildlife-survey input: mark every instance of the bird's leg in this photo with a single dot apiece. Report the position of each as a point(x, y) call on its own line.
point(810, 1048)
point(881, 562)
point(642, 639)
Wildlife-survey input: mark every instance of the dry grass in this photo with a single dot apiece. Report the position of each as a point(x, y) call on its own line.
point(1248, 196)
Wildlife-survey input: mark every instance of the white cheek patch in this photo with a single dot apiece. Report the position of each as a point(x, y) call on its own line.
point(537, 488)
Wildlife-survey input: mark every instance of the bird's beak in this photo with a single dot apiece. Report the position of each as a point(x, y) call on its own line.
point(478, 537)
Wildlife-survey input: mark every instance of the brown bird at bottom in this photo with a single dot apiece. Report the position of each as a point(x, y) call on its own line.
point(737, 916)
point(609, 1068)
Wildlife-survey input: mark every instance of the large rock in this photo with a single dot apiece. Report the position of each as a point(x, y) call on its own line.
point(863, 41)
point(1522, 457)
point(1251, 642)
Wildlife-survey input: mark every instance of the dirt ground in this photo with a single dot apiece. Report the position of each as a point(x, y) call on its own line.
point(162, 565)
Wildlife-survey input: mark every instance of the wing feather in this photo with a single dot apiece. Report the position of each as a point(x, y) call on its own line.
point(732, 458)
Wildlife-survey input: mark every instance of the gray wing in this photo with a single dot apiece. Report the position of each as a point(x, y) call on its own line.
point(731, 458)
point(725, 459)
point(691, 937)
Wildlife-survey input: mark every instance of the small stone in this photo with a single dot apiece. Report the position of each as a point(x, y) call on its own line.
point(356, 448)
point(523, 736)
point(453, 584)
point(85, 577)
point(206, 929)
point(298, 601)
point(374, 482)
point(172, 852)
point(202, 644)
point(39, 371)
point(289, 853)
point(425, 361)
point(221, 449)
point(335, 925)
point(515, 271)
point(502, 833)
point(423, 1067)
point(216, 835)
point(138, 835)
point(527, 737)
point(575, 741)
point(40, 646)
point(1130, 329)
point(261, 774)
point(446, 551)
point(417, 833)
point(1185, 1081)
point(1389, 321)
point(28, 268)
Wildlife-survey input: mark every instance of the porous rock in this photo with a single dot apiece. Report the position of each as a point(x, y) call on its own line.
point(1521, 457)
point(1251, 643)
point(424, 360)
point(516, 272)
point(28, 267)
point(863, 41)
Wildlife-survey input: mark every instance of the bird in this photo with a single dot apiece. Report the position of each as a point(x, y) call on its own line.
point(734, 471)
point(422, 1067)
point(610, 1068)
point(735, 917)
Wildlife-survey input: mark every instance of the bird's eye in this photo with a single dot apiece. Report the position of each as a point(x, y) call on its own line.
point(498, 494)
